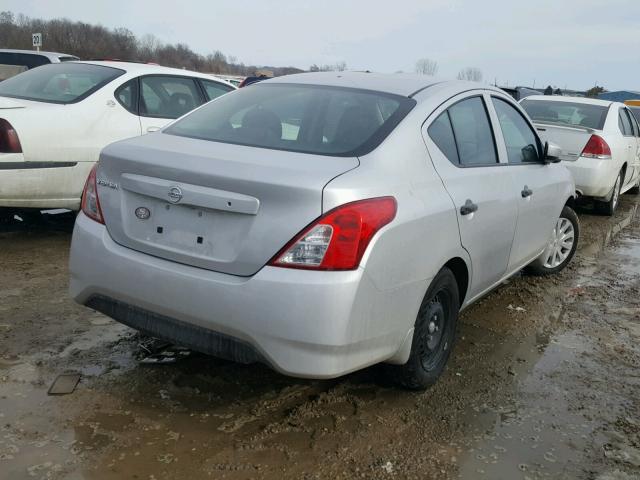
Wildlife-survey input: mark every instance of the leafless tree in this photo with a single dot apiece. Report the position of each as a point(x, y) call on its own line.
point(470, 73)
point(341, 66)
point(336, 67)
point(95, 41)
point(426, 66)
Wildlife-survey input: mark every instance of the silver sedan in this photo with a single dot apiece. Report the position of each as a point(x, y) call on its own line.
point(321, 223)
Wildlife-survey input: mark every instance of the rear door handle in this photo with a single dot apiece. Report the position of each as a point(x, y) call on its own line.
point(468, 207)
point(526, 192)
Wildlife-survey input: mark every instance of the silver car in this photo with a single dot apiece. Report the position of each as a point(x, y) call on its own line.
point(321, 223)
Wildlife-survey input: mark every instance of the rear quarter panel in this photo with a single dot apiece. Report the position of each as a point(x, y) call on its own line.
point(405, 255)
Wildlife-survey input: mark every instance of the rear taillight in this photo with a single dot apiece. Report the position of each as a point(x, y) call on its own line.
point(338, 239)
point(596, 147)
point(90, 202)
point(9, 141)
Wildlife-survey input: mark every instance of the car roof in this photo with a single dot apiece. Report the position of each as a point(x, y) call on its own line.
point(149, 68)
point(34, 52)
point(403, 84)
point(559, 98)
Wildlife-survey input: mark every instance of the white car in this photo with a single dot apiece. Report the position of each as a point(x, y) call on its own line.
point(13, 62)
point(600, 142)
point(55, 119)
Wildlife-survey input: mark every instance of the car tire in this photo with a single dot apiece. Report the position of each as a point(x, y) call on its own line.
point(561, 247)
point(635, 190)
point(609, 207)
point(433, 336)
point(6, 215)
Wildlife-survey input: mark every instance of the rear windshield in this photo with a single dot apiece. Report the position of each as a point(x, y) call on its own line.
point(566, 113)
point(636, 112)
point(299, 118)
point(59, 82)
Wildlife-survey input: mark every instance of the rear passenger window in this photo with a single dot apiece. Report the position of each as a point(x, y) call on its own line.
point(127, 96)
point(168, 97)
point(521, 142)
point(215, 89)
point(472, 131)
point(634, 124)
point(624, 123)
point(441, 133)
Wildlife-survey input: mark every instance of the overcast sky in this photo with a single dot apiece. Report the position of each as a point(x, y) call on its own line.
point(572, 43)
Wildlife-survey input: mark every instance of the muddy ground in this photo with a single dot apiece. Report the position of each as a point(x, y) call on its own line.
point(544, 383)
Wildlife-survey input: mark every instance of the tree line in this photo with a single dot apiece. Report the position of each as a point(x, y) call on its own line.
point(89, 41)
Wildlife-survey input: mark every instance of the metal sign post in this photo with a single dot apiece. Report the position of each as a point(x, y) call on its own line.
point(37, 40)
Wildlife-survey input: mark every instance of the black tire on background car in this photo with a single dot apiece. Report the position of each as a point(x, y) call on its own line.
point(635, 190)
point(561, 247)
point(433, 336)
point(6, 215)
point(609, 207)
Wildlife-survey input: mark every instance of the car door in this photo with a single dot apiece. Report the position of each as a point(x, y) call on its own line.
point(463, 150)
point(537, 189)
point(164, 98)
point(628, 149)
point(633, 170)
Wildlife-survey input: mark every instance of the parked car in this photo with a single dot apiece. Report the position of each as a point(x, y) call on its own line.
point(13, 62)
point(323, 222)
point(55, 119)
point(234, 80)
point(251, 80)
point(518, 93)
point(600, 142)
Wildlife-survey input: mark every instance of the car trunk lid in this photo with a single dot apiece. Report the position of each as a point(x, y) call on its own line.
point(226, 208)
point(571, 140)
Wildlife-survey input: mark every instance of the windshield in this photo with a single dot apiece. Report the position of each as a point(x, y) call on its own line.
point(636, 112)
point(566, 113)
point(59, 82)
point(299, 118)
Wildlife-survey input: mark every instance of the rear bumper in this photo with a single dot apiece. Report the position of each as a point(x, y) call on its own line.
point(302, 323)
point(49, 185)
point(593, 177)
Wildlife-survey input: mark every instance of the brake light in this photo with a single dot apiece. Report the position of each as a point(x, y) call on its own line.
point(339, 238)
point(90, 203)
point(596, 147)
point(9, 141)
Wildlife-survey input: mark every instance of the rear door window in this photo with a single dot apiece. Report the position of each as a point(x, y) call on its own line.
point(473, 134)
point(519, 138)
point(624, 123)
point(166, 96)
point(441, 133)
point(127, 96)
point(301, 118)
point(215, 89)
point(634, 123)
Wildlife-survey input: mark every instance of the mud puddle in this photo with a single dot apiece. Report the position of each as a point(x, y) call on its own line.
point(543, 383)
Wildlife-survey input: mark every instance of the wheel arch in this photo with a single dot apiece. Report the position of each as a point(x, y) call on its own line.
point(461, 272)
point(571, 201)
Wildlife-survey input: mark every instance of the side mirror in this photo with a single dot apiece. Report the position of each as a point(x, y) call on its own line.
point(551, 153)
